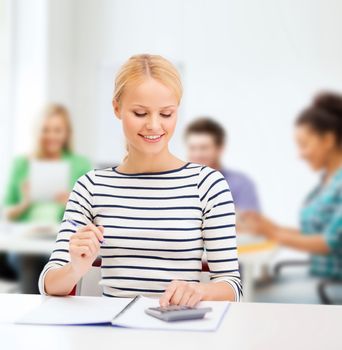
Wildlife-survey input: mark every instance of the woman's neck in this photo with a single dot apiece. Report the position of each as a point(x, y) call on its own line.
point(333, 164)
point(216, 165)
point(138, 162)
point(52, 156)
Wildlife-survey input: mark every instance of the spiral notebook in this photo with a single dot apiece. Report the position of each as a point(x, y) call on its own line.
point(117, 312)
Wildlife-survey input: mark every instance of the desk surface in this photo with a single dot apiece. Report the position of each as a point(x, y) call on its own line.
point(246, 326)
point(16, 238)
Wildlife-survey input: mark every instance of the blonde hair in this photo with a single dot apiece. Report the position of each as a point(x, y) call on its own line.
point(138, 67)
point(49, 111)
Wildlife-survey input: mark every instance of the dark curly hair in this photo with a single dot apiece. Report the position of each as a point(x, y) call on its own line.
point(324, 115)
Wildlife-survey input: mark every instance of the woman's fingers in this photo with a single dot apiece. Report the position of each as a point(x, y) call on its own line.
point(194, 300)
point(80, 251)
point(98, 231)
point(187, 294)
point(86, 239)
point(87, 235)
point(177, 295)
point(85, 242)
point(248, 215)
point(181, 293)
point(166, 297)
point(88, 242)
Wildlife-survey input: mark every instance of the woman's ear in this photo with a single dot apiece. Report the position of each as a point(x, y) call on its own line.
point(116, 108)
point(221, 150)
point(328, 140)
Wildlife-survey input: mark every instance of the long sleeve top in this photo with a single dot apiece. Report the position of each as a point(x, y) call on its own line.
point(322, 213)
point(156, 228)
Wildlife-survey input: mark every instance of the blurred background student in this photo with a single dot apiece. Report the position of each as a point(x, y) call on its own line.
point(205, 141)
point(53, 143)
point(318, 134)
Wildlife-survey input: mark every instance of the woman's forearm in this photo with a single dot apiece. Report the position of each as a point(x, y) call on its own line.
point(13, 212)
point(293, 238)
point(61, 281)
point(217, 291)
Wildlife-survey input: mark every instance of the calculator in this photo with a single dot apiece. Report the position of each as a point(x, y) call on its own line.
point(177, 312)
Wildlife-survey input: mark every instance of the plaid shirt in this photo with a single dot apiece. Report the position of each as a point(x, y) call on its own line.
point(322, 213)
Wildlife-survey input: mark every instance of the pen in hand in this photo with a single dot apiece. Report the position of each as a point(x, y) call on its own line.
point(76, 224)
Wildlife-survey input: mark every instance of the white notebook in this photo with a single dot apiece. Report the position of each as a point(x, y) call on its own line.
point(120, 312)
point(48, 179)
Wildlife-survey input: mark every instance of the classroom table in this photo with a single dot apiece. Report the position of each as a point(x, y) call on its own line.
point(21, 238)
point(246, 326)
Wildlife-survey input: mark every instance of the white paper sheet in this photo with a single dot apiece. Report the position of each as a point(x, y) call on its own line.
point(75, 310)
point(48, 179)
point(135, 317)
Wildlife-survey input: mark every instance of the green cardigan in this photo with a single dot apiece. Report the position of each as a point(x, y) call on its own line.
point(41, 211)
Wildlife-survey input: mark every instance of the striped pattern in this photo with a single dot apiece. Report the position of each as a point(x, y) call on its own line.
point(157, 226)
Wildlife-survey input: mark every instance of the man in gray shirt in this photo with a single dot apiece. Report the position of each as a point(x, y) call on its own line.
point(205, 139)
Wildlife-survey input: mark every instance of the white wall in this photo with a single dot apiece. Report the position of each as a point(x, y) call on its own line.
point(251, 64)
point(23, 77)
point(5, 87)
point(29, 62)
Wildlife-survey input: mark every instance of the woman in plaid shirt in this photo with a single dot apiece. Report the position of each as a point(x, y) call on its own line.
point(319, 138)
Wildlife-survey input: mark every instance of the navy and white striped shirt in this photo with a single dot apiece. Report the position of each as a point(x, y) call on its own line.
point(156, 227)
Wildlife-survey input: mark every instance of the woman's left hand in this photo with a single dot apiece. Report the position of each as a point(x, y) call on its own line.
point(182, 293)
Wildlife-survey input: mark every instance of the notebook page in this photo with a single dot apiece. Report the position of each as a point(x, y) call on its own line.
point(75, 310)
point(135, 317)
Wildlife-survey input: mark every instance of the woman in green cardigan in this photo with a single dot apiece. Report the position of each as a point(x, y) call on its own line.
point(54, 142)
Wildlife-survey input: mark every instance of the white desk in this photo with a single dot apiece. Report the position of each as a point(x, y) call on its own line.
point(246, 326)
point(16, 238)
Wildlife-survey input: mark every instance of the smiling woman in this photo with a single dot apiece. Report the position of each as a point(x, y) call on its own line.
point(149, 111)
point(156, 212)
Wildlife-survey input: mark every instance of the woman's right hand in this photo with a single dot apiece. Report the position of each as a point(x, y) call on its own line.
point(84, 247)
